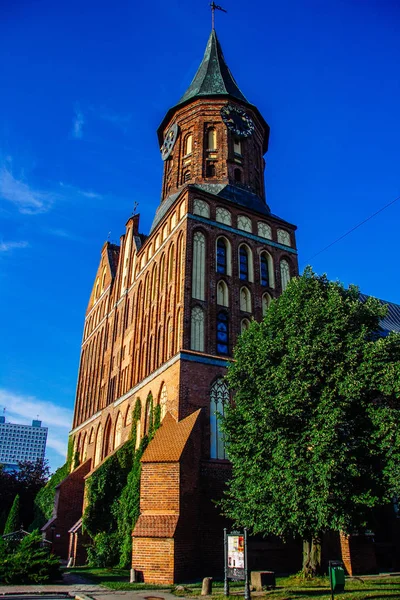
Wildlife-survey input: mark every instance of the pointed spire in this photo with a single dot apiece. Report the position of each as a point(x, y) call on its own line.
point(213, 77)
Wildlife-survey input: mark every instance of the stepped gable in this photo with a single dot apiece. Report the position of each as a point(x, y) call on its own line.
point(170, 439)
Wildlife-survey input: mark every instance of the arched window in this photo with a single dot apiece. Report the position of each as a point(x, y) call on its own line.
point(178, 330)
point(198, 266)
point(211, 139)
point(266, 301)
point(237, 174)
point(91, 437)
point(285, 274)
point(148, 411)
point(222, 333)
point(97, 289)
point(97, 452)
point(107, 446)
point(162, 273)
point(84, 448)
point(197, 329)
point(138, 433)
point(170, 262)
point(219, 397)
point(154, 283)
point(163, 401)
point(283, 237)
point(222, 294)
point(157, 242)
point(188, 144)
point(165, 232)
point(244, 325)
point(264, 271)
point(244, 223)
point(128, 416)
point(118, 431)
point(103, 279)
point(244, 263)
point(202, 208)
point(245, 300)
point(223, 256)
point(223, 216)
point(264, 230)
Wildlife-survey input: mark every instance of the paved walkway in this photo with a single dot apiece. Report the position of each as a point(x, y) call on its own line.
point(76, 586)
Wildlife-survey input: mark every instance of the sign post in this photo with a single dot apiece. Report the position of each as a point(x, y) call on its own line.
point(236, 565)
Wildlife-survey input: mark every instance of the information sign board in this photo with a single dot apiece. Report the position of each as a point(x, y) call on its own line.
point(236, 567)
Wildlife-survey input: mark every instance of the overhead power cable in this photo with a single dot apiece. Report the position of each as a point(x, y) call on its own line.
point(354, 228)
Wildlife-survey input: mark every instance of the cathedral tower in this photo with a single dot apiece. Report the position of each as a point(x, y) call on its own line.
point(165, 313)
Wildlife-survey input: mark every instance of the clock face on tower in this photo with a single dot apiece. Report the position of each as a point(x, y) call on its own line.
point(237, 120)
point(169, 141)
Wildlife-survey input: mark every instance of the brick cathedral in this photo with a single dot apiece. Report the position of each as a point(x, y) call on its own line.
point(164, 315)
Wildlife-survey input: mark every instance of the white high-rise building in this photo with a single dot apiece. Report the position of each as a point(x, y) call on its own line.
point(19, 443)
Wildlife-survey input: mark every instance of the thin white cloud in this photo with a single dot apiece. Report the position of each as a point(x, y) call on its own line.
point(27, 200)
point(119, 120)
point(78, 123)
point(63, 233)
point(67, 188)
point(8, 246)
point(22, 409)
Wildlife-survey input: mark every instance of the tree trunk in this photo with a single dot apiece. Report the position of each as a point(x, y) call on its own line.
point(312, 557)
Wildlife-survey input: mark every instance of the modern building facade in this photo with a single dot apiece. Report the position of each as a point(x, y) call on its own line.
point(20, 443)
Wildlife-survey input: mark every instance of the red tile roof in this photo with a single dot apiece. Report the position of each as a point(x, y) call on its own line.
point(159, 526)
point(170, 439)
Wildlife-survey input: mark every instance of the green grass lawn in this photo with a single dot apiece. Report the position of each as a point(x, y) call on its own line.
point(288, 588)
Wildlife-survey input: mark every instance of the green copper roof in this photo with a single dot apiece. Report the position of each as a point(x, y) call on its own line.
point(213, 77)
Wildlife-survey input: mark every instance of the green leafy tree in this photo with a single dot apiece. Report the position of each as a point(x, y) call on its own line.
point(314, 430)
point(28, 561)
point(13, 522)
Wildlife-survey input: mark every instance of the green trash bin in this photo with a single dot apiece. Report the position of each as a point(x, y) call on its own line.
point(336, 575)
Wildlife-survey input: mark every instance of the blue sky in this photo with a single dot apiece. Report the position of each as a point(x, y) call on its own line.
point(84, 88)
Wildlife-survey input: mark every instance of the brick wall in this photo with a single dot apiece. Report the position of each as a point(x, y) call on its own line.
point(68, 510)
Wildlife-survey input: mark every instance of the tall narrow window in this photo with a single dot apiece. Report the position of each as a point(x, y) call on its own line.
point(188, 144)
point(245, 300)
point(285, 274)
point(197, 329)
point(222, 294)
point(118, 431)
point(170, 262)
point(264, 276)
point(162, 274)
point(244, 325)
point(246, 271)
point(97, 452)
point(219, 398)
point(222, 256)
point(211, 139)
point(237, 146)
point(154, 283)
point(243, 263)
point(199, 264)
point(266, 301)
point(163, 401)
point(103, 279)
point(222, 333)
point(186, 176)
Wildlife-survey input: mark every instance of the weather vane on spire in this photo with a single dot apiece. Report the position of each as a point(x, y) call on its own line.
point(215, 7)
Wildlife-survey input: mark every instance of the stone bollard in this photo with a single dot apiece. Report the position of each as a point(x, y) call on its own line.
point(206, 588)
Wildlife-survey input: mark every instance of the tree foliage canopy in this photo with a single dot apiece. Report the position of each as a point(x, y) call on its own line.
point(314, 431)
